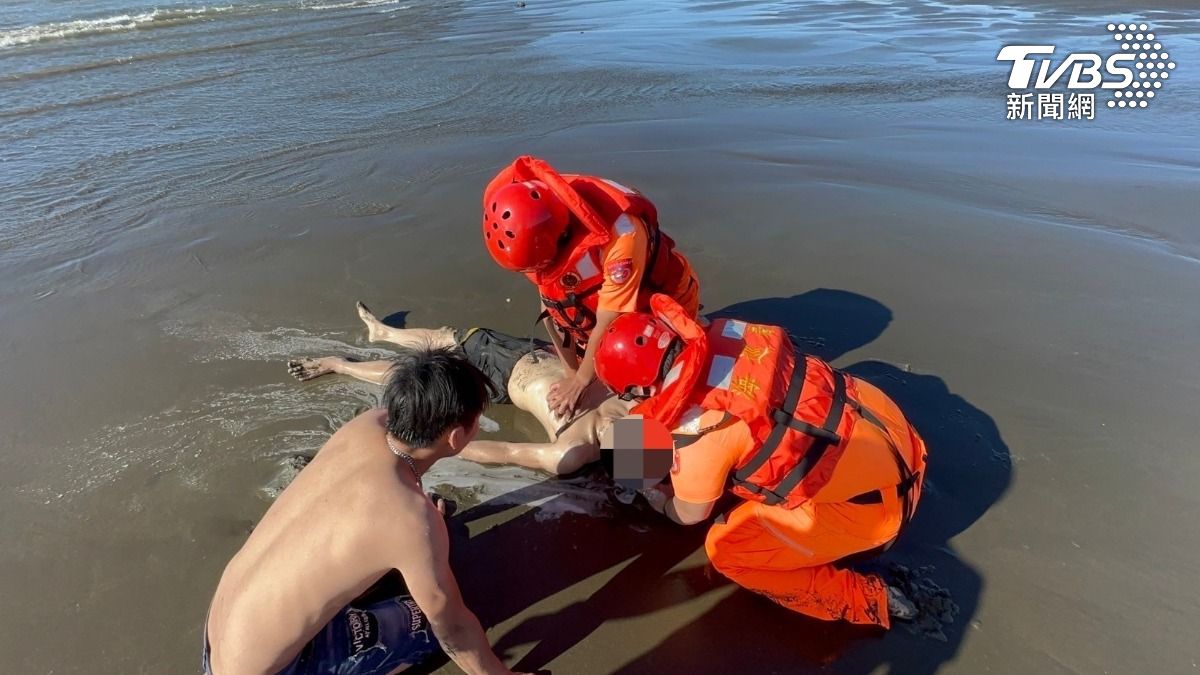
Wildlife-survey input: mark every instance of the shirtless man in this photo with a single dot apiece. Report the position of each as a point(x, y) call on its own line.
point(521, 371)
point(293, 600)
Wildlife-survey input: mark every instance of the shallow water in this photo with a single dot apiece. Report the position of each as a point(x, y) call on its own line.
point(194, 194)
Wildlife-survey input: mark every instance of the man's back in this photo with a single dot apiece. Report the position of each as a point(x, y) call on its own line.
point(330, 535)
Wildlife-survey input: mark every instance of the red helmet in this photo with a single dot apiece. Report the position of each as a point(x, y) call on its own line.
point(522, 225)
point(631, 352)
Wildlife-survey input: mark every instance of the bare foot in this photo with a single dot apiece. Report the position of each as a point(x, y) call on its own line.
point(310, 369)
point(375, 328)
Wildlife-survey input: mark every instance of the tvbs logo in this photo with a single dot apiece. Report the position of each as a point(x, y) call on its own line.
point(1133, 75)
point(1084, 68)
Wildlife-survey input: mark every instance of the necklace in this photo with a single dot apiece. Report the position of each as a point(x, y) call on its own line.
point(412, 463)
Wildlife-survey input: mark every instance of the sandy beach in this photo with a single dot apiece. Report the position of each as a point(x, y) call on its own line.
point(194, 196)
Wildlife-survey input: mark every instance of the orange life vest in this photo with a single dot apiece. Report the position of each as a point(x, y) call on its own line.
point(806, 417)
point(569, 288)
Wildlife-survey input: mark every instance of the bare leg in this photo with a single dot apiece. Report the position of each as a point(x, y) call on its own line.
point(375, 372)
point(377, 331)
point(576, 445)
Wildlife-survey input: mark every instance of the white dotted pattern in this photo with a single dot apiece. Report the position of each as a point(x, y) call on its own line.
point(1151, 63)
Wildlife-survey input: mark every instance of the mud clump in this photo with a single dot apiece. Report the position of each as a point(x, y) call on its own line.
point(462, 497)
point(936, 609)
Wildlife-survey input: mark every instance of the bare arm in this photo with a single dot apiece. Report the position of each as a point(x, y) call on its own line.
point(564, 396)
point(700, 472)
point(424, 561)
point(544, 456)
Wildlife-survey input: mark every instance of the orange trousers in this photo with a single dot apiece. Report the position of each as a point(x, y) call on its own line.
point(786, 555)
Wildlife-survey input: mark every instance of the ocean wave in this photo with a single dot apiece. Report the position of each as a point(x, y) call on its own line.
point(108, 24)
point(159, 18)
point(349, 4)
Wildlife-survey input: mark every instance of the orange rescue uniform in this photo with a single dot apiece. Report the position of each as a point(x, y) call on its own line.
point(823, 480)
point(615, 258)
point(631, 246)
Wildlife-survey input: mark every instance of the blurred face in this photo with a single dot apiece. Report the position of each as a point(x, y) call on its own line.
point(641, 452)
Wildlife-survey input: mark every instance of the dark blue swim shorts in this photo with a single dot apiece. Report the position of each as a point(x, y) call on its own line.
point(364, 640)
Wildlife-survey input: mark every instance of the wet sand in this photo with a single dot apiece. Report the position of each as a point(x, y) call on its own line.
point(1027, 292)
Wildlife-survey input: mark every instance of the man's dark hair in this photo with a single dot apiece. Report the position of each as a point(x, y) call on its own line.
point(430, 390)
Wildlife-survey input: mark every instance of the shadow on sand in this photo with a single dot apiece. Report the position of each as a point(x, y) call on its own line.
point(631, 564)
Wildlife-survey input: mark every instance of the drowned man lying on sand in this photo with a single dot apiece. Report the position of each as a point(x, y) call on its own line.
point(521, 372)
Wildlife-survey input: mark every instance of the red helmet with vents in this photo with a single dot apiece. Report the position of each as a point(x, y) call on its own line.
point(523, 224)
point(631, 352)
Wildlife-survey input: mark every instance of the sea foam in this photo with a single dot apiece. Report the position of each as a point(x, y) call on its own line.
point(158, 18)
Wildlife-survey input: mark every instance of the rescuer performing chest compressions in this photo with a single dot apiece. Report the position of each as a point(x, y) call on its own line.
point(593, 249)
